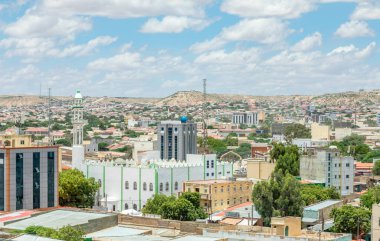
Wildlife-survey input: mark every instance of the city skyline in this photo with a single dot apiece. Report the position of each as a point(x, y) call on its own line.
point(156, 48)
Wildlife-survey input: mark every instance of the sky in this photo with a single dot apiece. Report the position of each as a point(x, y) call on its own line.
point(153, 48)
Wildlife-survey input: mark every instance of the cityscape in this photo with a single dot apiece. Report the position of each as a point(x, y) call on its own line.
point(189, 120)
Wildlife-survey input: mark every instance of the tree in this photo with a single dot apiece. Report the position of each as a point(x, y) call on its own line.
point(347, 219)
point(64, 142)
point(376, 168)
point(67, 233)
point(244, 150)
point(263, 200)
point(102, 146)
point(312, 194)
point(353, 145)
point(296, 131)
point(290, 202)
point(288, 163)
point(370, 156)
point(371, 197)
point(179, 209)
point(75, 190)
point(154, 204)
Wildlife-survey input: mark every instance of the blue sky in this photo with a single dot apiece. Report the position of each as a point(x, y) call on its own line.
point(143, 48)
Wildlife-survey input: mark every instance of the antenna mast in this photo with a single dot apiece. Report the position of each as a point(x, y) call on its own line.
point(204, 116)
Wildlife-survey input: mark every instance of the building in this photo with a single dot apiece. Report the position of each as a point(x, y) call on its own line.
point(176, 139)
point(278, 131)
point(217, 195)
point(259, 169)
point(15, 140)
point(37, 131)
point(260, 149)
point(247, 118)
point(378, 119)
point(320, 132)
point(320, 212)
point(329, 167)
point(128, 184)
point(78, 123)
point(375, 222)
point(29, 177)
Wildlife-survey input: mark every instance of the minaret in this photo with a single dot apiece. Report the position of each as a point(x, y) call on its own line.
point(78, 123)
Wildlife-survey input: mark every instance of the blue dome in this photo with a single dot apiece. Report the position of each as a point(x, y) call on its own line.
point(184, 119)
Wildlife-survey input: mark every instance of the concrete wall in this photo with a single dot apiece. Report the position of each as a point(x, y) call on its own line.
point(259, 169)
point(375, 222)
point(320, 132)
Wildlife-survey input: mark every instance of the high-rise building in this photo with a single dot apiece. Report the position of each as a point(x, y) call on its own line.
point(329, 167)
point(248, 118)
point(176, 139)
point(29, 177)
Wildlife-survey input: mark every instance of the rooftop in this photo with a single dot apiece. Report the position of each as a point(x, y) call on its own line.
point(321, 205)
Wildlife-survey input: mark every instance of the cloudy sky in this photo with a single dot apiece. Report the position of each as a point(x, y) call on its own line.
point(158, 47)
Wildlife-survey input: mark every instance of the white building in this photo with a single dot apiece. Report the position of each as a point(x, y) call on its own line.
point(248, 118)
point(329, 167)
point(126, 184)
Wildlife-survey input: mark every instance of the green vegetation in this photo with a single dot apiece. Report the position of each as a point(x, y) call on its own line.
point(66, 233)
point(347, 219)
point(287, 158)
point(75, 190)
point(370, 197)
point(313, 194)
point(370, 156)
point(353, 145)
point(64, 142)
point(132, 134)
point(280, 196)
point(376, 168)
point(296, 131)
point(185, 208)
point(102, 146)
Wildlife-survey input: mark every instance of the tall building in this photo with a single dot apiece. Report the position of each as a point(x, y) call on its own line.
point(248, 118)
point(176, 139)
point(29, 177)
point(78, 123)
point(329, 167)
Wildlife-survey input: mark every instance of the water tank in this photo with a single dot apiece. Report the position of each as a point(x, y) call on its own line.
point(183, 119)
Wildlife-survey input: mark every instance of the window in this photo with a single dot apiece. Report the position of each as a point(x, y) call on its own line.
point(347, 187)
point(36, 180)
point(335, 164)
point(212, 174)
point(150, 186)
point(22, 142)
point(228, 201)
point(51, 179)
point(207, 174)
point(161, 187)
point(335, 176)
point(144, 186)
point(241, 200)
point(176, 186)
point(347, 176)
point(166, 186)
point(221, 202)
point(215, 189)
point(347, 164)
point(228, 172)
point(220, 173)
point(212, 163)
point(208, 164)
point(2, 182)
point(205, 190)
point(134, 185)
point(222, 189)
point(234, 188)
point(135, 207)
point(241, 188)
point(228, 188)
point(126, 184)
point(205, 204)
point(125, 206)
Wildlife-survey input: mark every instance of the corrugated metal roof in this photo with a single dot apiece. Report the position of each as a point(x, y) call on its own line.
point(321, 205)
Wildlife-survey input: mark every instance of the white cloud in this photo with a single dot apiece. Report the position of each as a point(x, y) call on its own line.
point(235, 57)
point(46, 47)
point(173, 24)
point(366, 10)
point(308, 43)
point(354, 29)
point(268, 8)
point(263, 30)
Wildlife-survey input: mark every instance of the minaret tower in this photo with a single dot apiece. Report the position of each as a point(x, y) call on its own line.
point(78, 123)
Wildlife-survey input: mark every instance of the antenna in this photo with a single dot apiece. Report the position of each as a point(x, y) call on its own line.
point(49, 116)
point(204, 116)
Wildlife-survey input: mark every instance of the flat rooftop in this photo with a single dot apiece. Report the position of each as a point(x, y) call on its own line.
point(321, 205)
point(57, 219)
point(212, 181)
point(27, 237)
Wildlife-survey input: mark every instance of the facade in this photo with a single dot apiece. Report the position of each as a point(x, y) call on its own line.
point(128, 184)
point(248, 118)
point(259, 169)
point(316, 213)
point(320, 132)
point(176, 139)
point(329, 167)
point(375, 222)
point(260, 149)
point(28, 178)
point(78, 123)
point(217, 195)
point(15, 140)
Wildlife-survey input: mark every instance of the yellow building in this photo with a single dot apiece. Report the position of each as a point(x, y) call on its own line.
point(320, 132)
point(259, 169)
point(217, 195)
point(286, 226)
point(15, 141)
